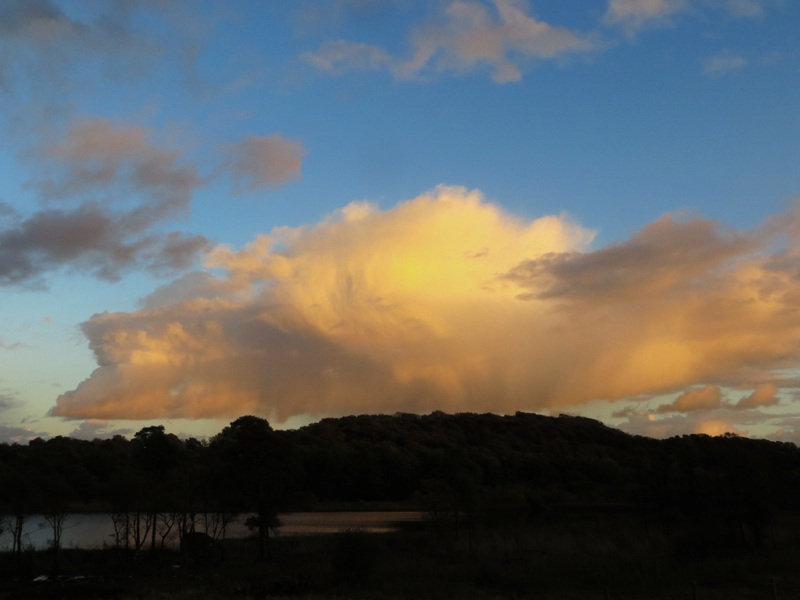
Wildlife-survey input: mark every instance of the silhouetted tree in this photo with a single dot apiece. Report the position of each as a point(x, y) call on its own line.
point(158, 453)
point(260, 462)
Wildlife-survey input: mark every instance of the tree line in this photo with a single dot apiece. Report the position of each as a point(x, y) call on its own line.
point(457, 468)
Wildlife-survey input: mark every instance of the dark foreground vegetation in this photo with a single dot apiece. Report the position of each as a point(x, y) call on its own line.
point(525, 506)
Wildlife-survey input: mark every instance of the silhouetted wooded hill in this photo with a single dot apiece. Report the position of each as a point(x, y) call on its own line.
point(458, 464)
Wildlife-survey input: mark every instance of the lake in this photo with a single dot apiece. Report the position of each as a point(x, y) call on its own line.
point(96, 529)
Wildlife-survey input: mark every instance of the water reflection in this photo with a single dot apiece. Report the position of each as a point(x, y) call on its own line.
point(95, 530)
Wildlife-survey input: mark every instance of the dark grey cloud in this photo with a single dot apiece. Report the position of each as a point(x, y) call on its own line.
point(19, 435)
point(106, 187)
point(113, 185)
point(7, 211)
point(263, 161)
point(665, 254)
point(96, 156)
point(92, 429)
point(89, 239)
point(35, 18)
point(8, 400)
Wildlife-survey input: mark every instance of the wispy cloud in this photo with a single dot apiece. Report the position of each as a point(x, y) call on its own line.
point(748, 8)
point(633, 15)
point(466, 37)
point(339, 56)
point(8, 400)
point(636, 14)
point(724, 63)
point(13, 346)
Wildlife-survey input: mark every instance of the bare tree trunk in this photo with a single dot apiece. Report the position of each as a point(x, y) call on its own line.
point(56, 520)
point(153, 535)
point(17, 524)
point(168, 520)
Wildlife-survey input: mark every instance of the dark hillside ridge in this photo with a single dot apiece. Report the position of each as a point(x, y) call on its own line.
point(476, 464)
point(558, 460)
point(519, 503)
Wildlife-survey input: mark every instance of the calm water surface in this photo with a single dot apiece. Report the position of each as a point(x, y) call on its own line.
point(96, 530)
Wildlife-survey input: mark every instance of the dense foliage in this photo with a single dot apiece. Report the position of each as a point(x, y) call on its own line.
point(464, 464)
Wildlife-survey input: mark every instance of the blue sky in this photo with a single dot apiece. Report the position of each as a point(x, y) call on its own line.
point(303, 209)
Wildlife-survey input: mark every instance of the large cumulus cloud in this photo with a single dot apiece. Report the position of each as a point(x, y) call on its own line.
point(368, 310)
point(447, 302)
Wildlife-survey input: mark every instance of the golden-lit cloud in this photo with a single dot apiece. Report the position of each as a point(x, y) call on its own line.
point(705, 398)
point(447, 302)
point(763, 395)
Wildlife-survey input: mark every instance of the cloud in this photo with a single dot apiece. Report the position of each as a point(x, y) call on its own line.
point(40, 45)
point(679, 304)
point(92, 429)
point(90, 239)
point(635, 14)
point(367, 310)
point(189, 286)
point(13, 346)
point(664, 255)
point(643, 423)
point(727, 419)
point(747, 8)
point(267, 161)
point(8, 400)
point(447, 302)
point(19, 435)
point(705, 398)
point(339, 56)
point(6, 210)
point(724, 63)
point(466, 37)
point(94, 155)
point(108, 188)
point(787, 430)
point(92, 167)
point(763, 395)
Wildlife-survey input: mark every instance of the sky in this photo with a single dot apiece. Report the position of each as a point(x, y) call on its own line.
point(301, 209)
